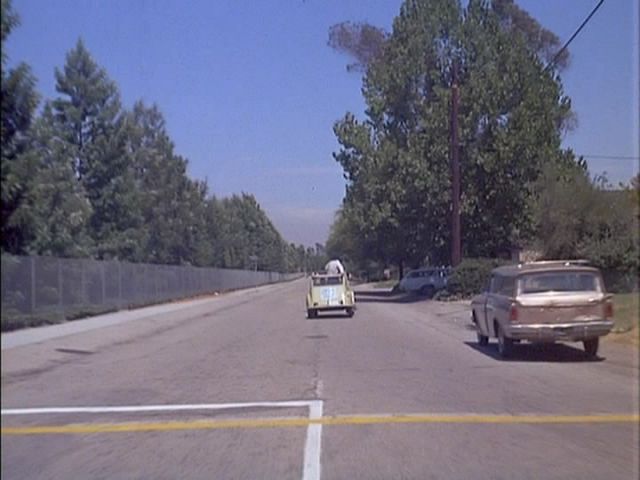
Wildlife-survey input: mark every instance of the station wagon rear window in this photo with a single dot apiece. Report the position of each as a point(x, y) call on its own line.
point(337, 280)
point(559, 282)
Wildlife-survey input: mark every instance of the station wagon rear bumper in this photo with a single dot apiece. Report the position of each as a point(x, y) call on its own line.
point(572, 332)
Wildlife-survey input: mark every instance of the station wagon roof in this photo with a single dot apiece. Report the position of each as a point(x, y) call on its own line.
point(550, 265)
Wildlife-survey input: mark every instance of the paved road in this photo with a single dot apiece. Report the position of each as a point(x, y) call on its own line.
point(404, 390)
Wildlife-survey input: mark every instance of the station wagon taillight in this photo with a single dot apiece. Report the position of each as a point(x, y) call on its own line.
point(513, 313)
point(608, 309)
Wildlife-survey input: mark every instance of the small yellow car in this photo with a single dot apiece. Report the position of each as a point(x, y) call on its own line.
point(330, 292)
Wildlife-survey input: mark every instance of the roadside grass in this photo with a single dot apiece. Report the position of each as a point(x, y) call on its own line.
point(627, 317)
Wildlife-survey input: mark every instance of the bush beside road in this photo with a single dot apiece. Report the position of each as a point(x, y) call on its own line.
point(627, 318)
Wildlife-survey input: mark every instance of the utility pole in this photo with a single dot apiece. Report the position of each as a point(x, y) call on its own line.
point(455, 171)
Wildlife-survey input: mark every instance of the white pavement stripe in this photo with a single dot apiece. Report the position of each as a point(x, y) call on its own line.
point(312, 448)
point(157, 408)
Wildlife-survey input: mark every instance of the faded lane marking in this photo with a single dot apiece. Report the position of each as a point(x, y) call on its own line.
point(309, 422)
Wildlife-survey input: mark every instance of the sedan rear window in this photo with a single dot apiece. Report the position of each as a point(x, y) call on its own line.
point(559, 282)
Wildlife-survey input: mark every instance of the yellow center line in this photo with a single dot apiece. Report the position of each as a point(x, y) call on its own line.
point(87, 428)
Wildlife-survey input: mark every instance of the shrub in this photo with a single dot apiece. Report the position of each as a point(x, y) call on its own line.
point(618, 281)
point(470, 277)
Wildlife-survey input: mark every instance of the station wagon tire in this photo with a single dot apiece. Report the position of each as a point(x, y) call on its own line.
point(427, 291)
point(591, 346)
point(311, 313)
point(350, 312)
point(483, 340)
point(505, 344)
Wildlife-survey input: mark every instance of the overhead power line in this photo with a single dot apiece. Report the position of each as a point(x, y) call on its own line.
point(575, 34)
point(597, 156)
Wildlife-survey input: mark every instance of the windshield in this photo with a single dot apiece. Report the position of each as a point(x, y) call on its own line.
point(559, 282)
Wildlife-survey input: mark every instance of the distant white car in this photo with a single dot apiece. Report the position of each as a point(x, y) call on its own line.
point(426, 281)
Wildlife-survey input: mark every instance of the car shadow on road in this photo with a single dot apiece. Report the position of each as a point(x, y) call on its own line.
point(526, 352)
point(387, 296)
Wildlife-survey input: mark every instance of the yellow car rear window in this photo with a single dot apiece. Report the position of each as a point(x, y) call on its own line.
point(336, 280)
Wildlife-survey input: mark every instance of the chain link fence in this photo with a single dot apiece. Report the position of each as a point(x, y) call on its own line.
point(41, 290)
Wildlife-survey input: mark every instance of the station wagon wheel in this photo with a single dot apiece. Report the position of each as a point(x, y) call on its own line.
point(428, 291)
point(505, 344)
point(311, 313)
point(483, 340)
point(591, 346)
point(350, 312)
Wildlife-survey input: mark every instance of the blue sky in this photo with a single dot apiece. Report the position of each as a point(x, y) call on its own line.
point(250, 89)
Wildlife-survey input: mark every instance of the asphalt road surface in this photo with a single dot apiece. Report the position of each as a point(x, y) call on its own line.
point(245, 387)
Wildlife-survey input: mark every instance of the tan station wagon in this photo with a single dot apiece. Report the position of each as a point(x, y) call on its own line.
point(543, 302)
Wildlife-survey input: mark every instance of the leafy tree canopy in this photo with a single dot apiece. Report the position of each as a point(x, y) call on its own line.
point(396, 161)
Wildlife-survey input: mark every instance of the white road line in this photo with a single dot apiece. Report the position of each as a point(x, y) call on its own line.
point(311, 467)
point(312, 448)
point(157, 408)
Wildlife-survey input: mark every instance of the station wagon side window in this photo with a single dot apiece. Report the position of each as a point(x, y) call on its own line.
point(507, 288)
point(496, 281)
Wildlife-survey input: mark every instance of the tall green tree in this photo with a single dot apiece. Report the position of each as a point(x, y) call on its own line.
point(55, 211)
point(582, 217)
point(19, 101)
point(88, 115)
point(364, 42)
point(345, 242)
point(541, 41)
point(396, 162)
point(247, 232)
point(87, 178)
point(360, 40)
point(174, 227)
